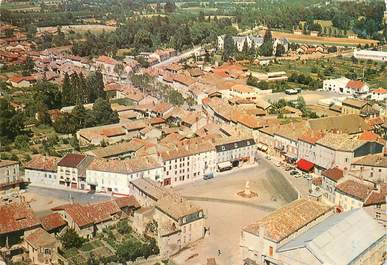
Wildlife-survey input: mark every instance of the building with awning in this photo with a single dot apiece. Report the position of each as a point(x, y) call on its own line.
point(305, 165)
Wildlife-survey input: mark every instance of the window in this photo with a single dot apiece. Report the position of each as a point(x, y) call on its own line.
point(270, 251)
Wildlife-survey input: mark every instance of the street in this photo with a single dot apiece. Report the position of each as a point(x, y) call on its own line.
point(177, 58)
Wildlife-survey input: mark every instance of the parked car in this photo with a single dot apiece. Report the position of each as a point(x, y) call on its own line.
point(277, 164)
point(268, 157)
point(208, 176)
point(308, 177)
point(294, 172)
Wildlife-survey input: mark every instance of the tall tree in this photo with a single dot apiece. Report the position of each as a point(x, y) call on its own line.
point(228, 47)
point(11, 121)
point(103, 112)
point(66, 91)
point(266, 48)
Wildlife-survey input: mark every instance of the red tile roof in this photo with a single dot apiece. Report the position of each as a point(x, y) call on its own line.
point(127, 202)
point(106, 59)
point(380, 91)
point(333, 173)
point(43, 163)
point(52, 221)
point(354, 189)
point(355, 84)
point(317, 181)
point(71, 160)
point(88, 214)
point(41, 239)
point(17, 217)
point(368, 136)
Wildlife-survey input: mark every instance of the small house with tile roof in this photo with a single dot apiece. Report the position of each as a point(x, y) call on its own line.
point(41, 247)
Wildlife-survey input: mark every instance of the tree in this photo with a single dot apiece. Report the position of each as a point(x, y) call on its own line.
point(169, 6)
point(228, 47)
point(175, 98)
point(22, 142)
point(65, 124)
point(82, 117)
point(11, 121)
point(67, 90)
point(9, 32)
point(280, 50)
point(71, 239)
point(28, 66)
point(266, 48)
point(143, 40)
point(123, 227)
point(103, 112)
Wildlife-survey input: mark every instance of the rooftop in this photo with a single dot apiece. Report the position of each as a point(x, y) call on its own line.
point(43, 163)
point(354, 189)
point(7, 163)
point(338, 240)
point(342, 142)
point(350, 124)
point(374, 160)
point(333, 173)
point(289, 219)
point(52, 221)
point(357, 103)
point(176, 206)
point(17, 217)
point(41, 239)
point(71, 160)
point(126, 166)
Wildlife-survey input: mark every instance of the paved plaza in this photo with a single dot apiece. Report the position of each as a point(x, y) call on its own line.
point(228, 212)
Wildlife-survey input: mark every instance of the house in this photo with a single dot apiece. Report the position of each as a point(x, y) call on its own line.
point(379, 94)
point(260, 241)
point(42, 247)
point(372, 167)
point(10, 179)
point(345, 86)
point(42, 170)
point(235, 150)
point(359, 107)
point(351, 194)
point(341, 150)
point(88, 219)
point(337, 240)
point(21, 81)
point(16, 219)
point(146, 191)
point(180, 223)
point(188, 162)
point(71, 171)
point(346, 123)
point(113, 176)
point(111, 134)
point(329, 180)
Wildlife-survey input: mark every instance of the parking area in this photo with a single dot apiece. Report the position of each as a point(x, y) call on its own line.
point(43, 199)
point(228, 212)
point(310, 97)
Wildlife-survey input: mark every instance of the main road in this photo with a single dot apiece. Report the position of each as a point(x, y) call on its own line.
point(177, 58)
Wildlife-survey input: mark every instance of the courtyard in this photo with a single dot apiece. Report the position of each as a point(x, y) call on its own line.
point(227, 212)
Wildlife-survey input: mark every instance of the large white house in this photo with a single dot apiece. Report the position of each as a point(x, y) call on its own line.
point(371, 55)
point(113, 176)
point(345, 86)
point(41, 170)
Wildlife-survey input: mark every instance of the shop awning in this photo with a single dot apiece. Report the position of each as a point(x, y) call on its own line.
point(305, 165)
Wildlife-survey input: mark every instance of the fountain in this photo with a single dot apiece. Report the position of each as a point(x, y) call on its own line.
point(247, 193)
